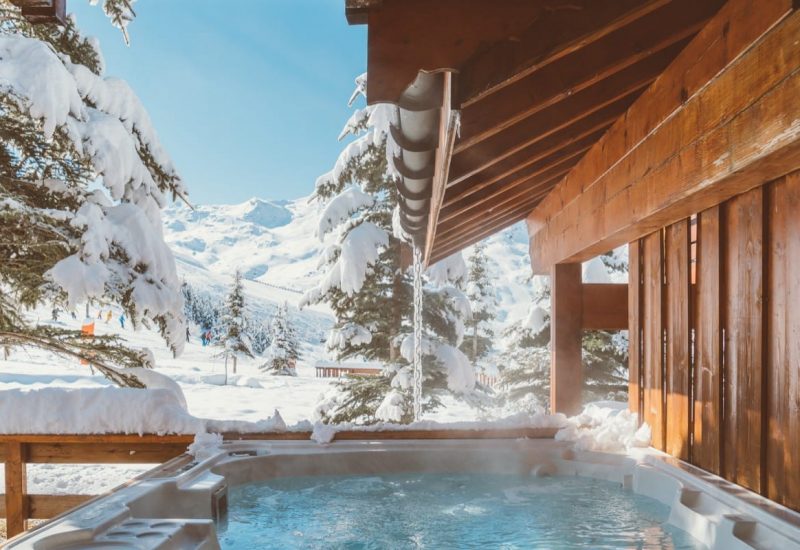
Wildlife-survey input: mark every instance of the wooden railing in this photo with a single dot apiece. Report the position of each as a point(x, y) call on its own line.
point(17, 451)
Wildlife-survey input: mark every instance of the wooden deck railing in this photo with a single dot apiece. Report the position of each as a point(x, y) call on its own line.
point(17, 451)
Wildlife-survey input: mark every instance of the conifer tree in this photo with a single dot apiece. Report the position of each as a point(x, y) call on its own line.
point(526, 359)
point(283, 351)
point(367, 284)
point(235, 339)
point(63, 126)
point(483, 303)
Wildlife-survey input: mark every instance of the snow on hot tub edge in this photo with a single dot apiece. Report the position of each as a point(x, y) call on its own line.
point(161, 409)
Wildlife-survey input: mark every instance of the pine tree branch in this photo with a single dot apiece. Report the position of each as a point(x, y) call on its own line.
point(94, 350)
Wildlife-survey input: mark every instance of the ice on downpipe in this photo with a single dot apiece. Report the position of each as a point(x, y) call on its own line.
point(412, 142)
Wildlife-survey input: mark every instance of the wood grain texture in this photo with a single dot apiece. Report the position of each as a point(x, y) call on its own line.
point(743, 322)
point(604, 306)
point(678, 339)
point(721, 119)
point(783, 342)
point(635, 327)
point(653, 376)
point(566, 368)
point(16, 488)
point(707, 422)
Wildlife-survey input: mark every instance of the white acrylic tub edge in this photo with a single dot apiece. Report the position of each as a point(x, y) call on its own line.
point(174, 506)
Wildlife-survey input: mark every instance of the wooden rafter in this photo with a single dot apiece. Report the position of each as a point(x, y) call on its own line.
point(554, 35)
point(575, 113)
point(616, 52)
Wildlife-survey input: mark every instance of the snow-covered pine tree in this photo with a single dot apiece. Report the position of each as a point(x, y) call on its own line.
point(479, 338)
point(525, 360)
point(259, 337)
point(235, 339)
point(63, 126)
point(284, 349)
point(368, 286)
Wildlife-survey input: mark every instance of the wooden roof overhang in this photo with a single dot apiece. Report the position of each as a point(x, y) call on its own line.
point(525, 89)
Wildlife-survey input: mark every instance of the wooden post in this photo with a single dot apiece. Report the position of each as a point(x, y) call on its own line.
point(566, 368)
point(16, 488)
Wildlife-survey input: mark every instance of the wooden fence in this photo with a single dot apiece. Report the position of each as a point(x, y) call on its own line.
point(714, 308)
point(16, 451)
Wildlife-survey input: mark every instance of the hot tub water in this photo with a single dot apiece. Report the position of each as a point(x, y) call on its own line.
point(446, 511)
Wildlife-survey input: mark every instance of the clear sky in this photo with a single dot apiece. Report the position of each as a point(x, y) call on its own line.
point(248, 96)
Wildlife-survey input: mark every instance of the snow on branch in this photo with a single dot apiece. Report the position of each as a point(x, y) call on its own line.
point(32, 73)
point(360, 249)
point(341, 207)
point(449, 270)
point(349, 335)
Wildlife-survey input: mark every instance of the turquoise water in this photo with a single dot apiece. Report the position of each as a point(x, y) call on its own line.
point(446, 511)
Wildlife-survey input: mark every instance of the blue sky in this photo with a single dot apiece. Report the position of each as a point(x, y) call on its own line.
point(248, 96)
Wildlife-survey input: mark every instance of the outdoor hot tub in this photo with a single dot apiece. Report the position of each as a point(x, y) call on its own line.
point(415, 493)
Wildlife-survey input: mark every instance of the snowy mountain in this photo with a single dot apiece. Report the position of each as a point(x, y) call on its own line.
point(268, 241)
point(274, 243)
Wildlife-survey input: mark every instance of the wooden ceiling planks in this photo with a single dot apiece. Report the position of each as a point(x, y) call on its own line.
point(597, 63)
point(538, 83)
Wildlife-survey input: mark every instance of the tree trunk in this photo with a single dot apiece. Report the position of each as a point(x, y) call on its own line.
point(226, 369)
point(234, 364)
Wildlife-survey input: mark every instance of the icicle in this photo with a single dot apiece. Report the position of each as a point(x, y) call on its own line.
point(417, 334)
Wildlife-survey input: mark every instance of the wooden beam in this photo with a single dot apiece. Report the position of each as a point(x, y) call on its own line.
point(16, 488)
point(722, 119)
point(518, 163)
point(476, 234)
point(566, 367)
point(50, 506)
point(104, 453)
point(408, 36)
point(646, 47)
point(552, 36)
point(463, 196)
point(486, 220)
point(577, 113)
point(604, 306)
point(521, 188)
point(447, 135)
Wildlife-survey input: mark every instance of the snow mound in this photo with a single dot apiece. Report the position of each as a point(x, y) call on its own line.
point(605, 426)
point(95, 411)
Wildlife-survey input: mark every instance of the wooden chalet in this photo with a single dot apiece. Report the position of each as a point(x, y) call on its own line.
point(669, 125)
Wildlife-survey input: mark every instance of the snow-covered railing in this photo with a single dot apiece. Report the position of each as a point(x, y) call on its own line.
point(18, 450)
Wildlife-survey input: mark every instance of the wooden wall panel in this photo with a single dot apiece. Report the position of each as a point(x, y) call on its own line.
point(783, 342)
point(707, 379)
point(635, 328)
point(718, 369)
point(653, 377)
point(743, 322)
point(678, 339)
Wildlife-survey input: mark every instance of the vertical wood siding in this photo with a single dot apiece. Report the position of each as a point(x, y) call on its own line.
point(678, 341)
point(783, 343)
point(707, 379)
point(653, 349)
point(719, 360)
